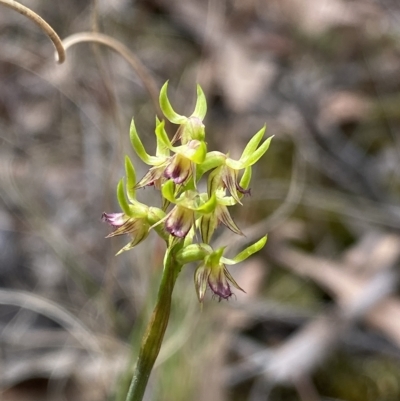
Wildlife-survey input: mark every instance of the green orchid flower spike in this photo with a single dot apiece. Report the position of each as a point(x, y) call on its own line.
point(188, 219)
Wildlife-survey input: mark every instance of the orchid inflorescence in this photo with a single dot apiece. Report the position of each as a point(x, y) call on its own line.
point(176, 172)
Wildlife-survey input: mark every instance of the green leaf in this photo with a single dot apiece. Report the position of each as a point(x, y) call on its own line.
point(167, 108)
point(253, 143)
point(123, 202)
point(130, 179)
point(246, 253)
point(201, 104)
point(139, 148)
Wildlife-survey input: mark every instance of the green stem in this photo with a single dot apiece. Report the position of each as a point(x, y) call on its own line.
point(152, 340)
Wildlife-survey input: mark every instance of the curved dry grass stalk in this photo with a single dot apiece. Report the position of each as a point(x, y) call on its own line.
point(54, 312)
point(124, 52)
point(46, 28)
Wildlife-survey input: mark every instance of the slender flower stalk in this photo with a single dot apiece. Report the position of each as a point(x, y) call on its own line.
point(153, 337)
point(186, 215)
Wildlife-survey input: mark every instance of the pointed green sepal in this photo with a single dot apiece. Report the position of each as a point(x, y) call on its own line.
point(130, 179)
point(253, 143)
point(255, 156)
point(167, 108)
point(139, 148)
point(123, 202)
point(162, 135)
point(246, 253)
point(201, 104)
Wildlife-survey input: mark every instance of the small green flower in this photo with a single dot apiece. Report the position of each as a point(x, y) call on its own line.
point(190, 127)
point(188, 206)
point(136, 218)
point(137, 227)
point(226, 170)
point(178, 167)
point(212, 272)
point(220, 214)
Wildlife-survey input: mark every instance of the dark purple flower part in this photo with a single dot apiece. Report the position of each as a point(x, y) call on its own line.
point(216, 277)
point(179, 221)
point(230, 180)
point(114, 219)
point(138, 228)
point(180, 169)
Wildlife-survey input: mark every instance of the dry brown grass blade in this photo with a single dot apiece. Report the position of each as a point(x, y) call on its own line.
point(124, 52)
point(52, 311)
point(39, 21)
point(344, 286)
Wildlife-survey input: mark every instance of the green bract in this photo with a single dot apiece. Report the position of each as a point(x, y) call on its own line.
point(187, 215)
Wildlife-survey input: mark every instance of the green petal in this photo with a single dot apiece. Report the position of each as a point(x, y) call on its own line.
point(201, 104)
point(245, 253)
point(123, 202)
point(162, 136)
point(212, 160)
point(139, 148)
point(253, 158)
point(200, 153)
point(167, 108)
point(130, 179)
point(168, 191)
point(253, 143)
point(209, 206)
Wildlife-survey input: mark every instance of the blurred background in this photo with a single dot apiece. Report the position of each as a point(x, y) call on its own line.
point(320, 319)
